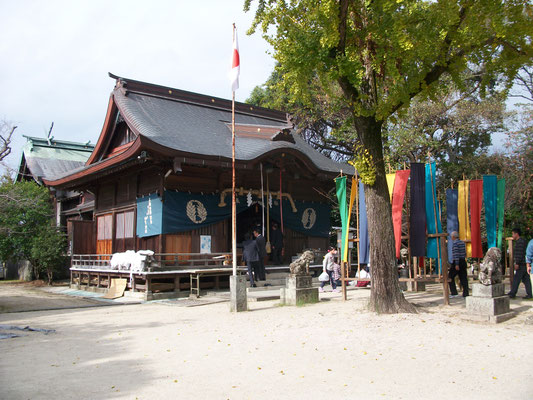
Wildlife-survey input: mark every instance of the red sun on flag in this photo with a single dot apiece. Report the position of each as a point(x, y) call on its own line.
point(235, 63)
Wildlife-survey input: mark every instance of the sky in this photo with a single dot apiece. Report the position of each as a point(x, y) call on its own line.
point(56, 56)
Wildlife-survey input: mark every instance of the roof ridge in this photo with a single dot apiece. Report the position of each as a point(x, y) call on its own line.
point(53, 142)
point(168, 93)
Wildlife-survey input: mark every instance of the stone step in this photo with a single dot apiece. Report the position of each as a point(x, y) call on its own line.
point(265, 296)
point(264, 288)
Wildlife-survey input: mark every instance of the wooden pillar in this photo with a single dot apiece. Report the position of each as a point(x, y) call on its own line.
point(511, 265)
point(176, 283)
point(444, 264)
point(343, 275)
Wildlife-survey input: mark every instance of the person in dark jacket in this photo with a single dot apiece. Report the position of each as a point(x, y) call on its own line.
point(261, 246)
point(458, 266)
point(277, 244)
point(250, 255)
point(519, 263)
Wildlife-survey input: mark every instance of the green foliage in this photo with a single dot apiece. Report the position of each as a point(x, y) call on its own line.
point(48, 252)
point(381, 54)
point(26, 230)
point(454, 129)
point(364, 165)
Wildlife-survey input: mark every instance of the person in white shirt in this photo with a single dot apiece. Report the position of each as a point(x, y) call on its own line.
point(362, 274)
point(330, 267)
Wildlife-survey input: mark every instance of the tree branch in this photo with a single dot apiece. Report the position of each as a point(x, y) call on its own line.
point(5, 145)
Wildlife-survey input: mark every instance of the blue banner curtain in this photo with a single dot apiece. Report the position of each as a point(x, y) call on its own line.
point(182, 212)
point(490, 197)
point(311, 218)
point(452, 218)
point(417, 214)
point(149, 215)
point(501, 209)
point(364, 243)
point(432, 214)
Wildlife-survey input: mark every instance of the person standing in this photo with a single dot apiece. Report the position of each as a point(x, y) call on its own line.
point(458, 266)
point(519, 263)
point(328, 266)
point(277, 244)
point(261, 246)
point(529, 258)
point(250, 255)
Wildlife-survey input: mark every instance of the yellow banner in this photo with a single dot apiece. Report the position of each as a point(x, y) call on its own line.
point(464, 219)
point(353, 195)
point(390, 184)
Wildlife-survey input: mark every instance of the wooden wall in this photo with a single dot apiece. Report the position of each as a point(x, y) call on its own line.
point(117, 193)
point(82, 236)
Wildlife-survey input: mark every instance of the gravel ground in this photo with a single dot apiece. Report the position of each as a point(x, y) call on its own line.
point(332, 349)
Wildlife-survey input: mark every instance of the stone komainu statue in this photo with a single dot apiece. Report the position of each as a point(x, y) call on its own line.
point(299, 266)
point(490, 271)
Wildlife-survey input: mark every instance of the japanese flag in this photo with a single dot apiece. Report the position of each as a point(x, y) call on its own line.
point(235, 63)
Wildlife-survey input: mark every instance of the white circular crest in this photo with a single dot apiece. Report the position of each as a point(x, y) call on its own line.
point(196, 211)
point(309, 218)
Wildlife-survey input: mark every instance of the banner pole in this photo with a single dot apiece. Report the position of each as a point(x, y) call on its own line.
point(233, 200)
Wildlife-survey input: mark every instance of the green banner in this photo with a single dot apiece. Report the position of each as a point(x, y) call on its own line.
point(343, 209)
point(501, 209)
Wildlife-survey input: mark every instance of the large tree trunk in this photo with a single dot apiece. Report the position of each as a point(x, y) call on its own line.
point(386, 296)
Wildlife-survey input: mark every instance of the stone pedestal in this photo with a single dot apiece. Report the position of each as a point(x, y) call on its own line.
point(238, 298)
point(489, 303)
point(299, 291)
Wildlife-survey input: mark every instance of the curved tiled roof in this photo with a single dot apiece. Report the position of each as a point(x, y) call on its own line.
point(203, 130)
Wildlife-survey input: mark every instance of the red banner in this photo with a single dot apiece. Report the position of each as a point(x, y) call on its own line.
point(398, 196)
point(476, 198)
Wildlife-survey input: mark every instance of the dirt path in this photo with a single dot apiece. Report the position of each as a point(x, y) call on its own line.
point(22, 297)
point(331, 350)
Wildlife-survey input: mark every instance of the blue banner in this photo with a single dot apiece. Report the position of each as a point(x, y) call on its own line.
point(432, 214)
point(182, 212)
point(364, 243)
point(490, 194)
point(149, 215)
point(452, 218)
point(312, 219)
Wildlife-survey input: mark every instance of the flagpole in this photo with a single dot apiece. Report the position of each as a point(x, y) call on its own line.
point(233, 200)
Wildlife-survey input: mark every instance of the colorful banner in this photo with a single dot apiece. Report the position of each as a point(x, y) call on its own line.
point(417, 221)
point(390, 184)
point(400, 187)
point(340, 184)
point(476, 199)
point(452, 218)
point(464, 218)
point(149, 215)
point(501, 209)
point(353, 195)
point(490, 197)
point(432, 214)
point(364, 243)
